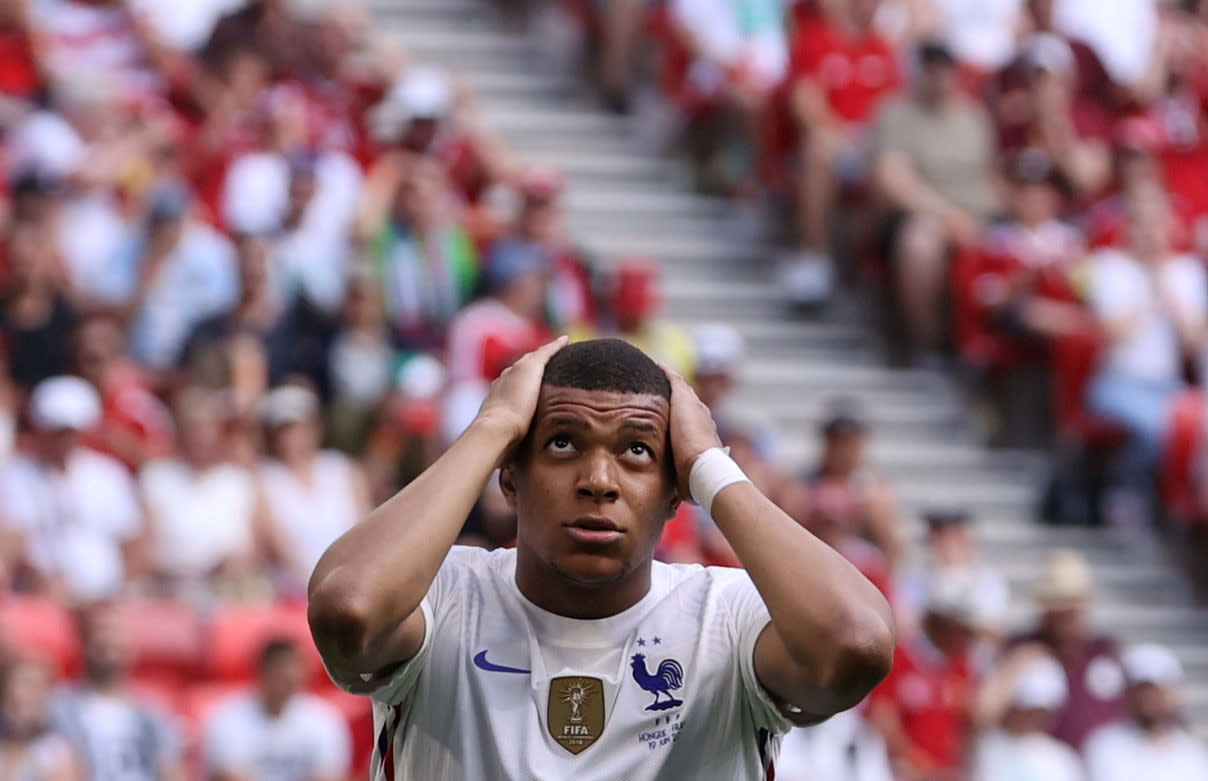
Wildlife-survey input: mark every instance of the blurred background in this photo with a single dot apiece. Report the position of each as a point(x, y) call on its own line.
point(936, 265)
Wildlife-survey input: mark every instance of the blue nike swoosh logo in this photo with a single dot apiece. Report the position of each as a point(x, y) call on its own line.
point(480, 661)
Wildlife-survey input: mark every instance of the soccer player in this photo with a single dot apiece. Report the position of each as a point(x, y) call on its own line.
point(575, 655)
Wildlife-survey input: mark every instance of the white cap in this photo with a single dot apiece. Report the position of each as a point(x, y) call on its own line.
point(951, 595)
point(422, 91)
point(1040, 686)
point(289, 404)
point(719, 348)
point(1065, 581)
point(64, 403)
point(1049, 52)
point(1151, 663)
point(420, 377)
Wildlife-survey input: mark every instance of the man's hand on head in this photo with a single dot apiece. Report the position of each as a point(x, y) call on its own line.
point(512, 399)
point(693, 430)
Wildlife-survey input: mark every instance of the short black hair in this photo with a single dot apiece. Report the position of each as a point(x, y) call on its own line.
point(606, 365)
point(275, 650)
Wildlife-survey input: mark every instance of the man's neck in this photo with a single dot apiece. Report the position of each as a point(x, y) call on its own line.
point(551, 590)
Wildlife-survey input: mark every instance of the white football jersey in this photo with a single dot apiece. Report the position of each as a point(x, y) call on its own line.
point(502, 689)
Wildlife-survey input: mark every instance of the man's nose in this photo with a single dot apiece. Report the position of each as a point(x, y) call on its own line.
point(598, 479)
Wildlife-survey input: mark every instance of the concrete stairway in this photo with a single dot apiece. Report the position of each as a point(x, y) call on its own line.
point(626, 198)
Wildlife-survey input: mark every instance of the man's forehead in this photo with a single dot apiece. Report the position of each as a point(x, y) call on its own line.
point(556, 401)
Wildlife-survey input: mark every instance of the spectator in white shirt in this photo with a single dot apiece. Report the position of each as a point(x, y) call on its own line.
point(312, 496)
point(1152, 303)
point(120, 737)
point(279, 732)
point(1020, 748)
point(201, 508)
point(75, 509)
point(1151, 742)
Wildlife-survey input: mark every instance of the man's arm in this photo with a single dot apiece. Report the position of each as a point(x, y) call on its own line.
point(831, 637)
point(366, 590)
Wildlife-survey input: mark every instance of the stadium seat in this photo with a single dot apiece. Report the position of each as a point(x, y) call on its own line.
point(1184, 440)
point(236, 634)
point(166, 639)
point(39, 627)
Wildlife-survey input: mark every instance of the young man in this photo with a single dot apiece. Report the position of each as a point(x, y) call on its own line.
point(575, 655)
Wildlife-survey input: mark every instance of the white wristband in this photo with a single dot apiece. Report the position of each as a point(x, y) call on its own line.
point(712, 471)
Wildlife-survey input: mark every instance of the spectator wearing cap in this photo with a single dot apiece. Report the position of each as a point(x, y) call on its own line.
point(175, 274)
point(1044, 111)
point(407, 437)
point(934, 169)
point(426, 263)
point(37, 312)
point(1150, 741)
point(950, 548)
point(75, 510)
point(488, 335)
point(1093, 675)
point(29, 749)
point(719, 350)
point(841, 70)
point(539, 219)
point(1020, 747)
point(202, 510)
point(634, 302)
point(135, 426)
point(922, 707)
point(113, 729)
point(312, 496)
point(277, 732)
point(1151, 303)
point(846, 495)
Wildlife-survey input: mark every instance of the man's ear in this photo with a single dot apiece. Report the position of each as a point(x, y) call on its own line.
point(507, 484)
point(674, 506)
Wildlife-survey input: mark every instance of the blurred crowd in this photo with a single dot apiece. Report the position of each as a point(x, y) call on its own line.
point(258, 268)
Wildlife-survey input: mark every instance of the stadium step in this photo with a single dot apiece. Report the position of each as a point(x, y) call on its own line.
point(625, 199)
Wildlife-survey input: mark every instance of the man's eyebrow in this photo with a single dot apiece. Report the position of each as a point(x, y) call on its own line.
point(648, 428)
point(567, 420)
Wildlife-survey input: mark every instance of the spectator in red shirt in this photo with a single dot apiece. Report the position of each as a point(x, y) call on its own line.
point(20, 73)
point(923, 707)
point(1024, 289)
point(841, 68)
point(135, 425)
point(1044, 105)
point(1090, 660)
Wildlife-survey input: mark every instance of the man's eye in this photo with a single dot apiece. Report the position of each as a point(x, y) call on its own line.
point(639, 449)
point(561, 445)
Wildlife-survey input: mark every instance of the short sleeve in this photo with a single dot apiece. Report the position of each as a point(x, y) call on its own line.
point(398, 685)
point(748, 618)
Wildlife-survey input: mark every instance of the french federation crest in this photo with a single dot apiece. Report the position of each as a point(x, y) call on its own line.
point(575, 715)
point(666, 678)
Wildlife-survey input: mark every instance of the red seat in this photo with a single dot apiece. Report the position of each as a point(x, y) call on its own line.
point(237, 633)
point(166, 639)
point(1075, 359)
point(1185, 438)
point(42, 628)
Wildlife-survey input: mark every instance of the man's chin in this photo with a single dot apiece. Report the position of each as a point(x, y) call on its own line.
point(591, 570)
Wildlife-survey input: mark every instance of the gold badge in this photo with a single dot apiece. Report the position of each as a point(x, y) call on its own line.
point(575, 716)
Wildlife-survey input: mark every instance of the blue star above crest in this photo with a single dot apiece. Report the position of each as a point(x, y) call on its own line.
point(641, 642)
